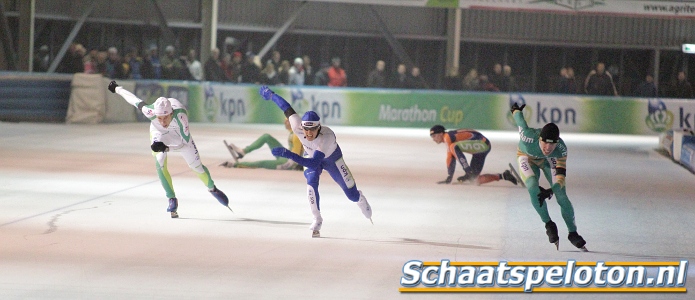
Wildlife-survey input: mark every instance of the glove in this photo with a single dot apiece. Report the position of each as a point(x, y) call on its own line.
point(447, 180)
point(544, 194)
point(266, 92)
point(279, 151)
point(159, 146)
point(517, 107)
point(112, 86)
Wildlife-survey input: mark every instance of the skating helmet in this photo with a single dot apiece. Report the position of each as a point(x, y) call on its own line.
point(310, 120)
point(437, 129)
point(550, 133)
point(162, 107)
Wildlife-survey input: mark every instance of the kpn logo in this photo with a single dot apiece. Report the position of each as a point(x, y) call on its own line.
point(519, 100)
point(659, 119)
point(300, 104)
point(212, 103)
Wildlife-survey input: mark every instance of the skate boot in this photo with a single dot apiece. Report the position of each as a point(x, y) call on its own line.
point(228, 164)
point(577, 241)
point(516, 175)
point(234, 151)
point(173, 205)
point(365, 207)
point(220, 196)
point(315, 227)
point(507, 175)
point(464, 178)
point(551, 231)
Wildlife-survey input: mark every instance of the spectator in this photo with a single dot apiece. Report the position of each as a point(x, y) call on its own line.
point(647, 88)
point(171, 65)
point(194, 67)
point(284, 72)
point(376, 77)
point(101, 58)
point(276, 59)
point(508, 84)
point(486, 85)
point(600, 82)
point(268, 75)
point(72, 61)
point(415, 80)
point(399, 80)
point(452, 80)
point(471, 81)
point(135, 64)
point(114, 67)
point(213, 70)
point(496, 77)
point(296, 72)
point(308, 69)
point(42, 59)
point(89, 62)
point(321, 77)
point(683, 88)
point(336, 74)
point(250, 72)
point(151, 66)
point(235, 72)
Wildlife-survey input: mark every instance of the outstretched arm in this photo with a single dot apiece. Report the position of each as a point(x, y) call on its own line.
point(268, 94)
point(309, 162)
point(518, 115)
point(128, 96)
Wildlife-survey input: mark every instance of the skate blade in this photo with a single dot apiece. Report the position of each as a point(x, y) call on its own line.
point(583, 249)
point(230, 209)
point(315, 234)
point(557, 245)
point(174, 215)
point(370, 220)
point(516, 175)
point(232, 152)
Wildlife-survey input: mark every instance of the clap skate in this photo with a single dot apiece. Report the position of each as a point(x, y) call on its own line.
point(516, 175)
point(577, 241)
point(315, 227)
point(173, 205)
point(220, 196)
point(551, 231)
point(365, 207)
point(507, 175)
point(237, 153)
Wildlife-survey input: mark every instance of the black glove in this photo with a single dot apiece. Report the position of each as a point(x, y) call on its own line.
point(447, 180)
point(112, 86)
point(517, 107)
point(544, 194)
point(159, 147)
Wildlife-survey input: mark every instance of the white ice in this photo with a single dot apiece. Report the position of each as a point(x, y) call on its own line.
point(83, 215)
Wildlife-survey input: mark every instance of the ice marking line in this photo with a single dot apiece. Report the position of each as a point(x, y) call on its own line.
point(85, 201)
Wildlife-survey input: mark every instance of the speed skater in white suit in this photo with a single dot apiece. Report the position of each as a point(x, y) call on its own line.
point(322, 153)
point(169, 132)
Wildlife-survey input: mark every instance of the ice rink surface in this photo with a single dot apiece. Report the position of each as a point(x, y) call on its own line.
point(83, 215)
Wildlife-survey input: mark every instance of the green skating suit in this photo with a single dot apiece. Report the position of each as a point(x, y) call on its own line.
point(279, 163)
point(531, 161)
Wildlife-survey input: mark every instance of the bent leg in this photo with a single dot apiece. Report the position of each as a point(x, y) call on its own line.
point(264, 164)
point(341, 174)
point(262, 140)
point(192, 157)
point(529, 174)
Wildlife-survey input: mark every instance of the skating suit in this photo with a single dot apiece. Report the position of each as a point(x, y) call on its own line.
point(333, 163)
point(463, 141)
point(176, 136)
point(531, 161)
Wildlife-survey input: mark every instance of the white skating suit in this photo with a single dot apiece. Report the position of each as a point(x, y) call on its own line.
point(176, 136)
point(332, 162)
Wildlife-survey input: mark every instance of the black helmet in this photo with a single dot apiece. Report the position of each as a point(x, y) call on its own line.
point(437, 129)
point(550, 133)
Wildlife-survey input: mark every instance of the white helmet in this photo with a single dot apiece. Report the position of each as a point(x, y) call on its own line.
point(162, 107)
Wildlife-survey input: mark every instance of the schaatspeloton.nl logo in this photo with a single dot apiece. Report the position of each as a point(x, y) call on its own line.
point(544, 277)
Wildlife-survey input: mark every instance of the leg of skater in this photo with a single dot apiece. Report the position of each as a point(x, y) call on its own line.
point(192, 157)
point(165, 179)
point(339, 171)
point(312, 176)
point(530, 174)
point(566, 208)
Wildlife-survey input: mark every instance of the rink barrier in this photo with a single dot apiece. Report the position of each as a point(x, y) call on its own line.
point(240, 103)
point(679, 145)
point(34, 97)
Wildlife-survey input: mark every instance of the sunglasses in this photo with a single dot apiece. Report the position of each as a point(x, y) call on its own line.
point(310, 128)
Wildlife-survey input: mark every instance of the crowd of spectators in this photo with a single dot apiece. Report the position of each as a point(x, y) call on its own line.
point(237, 67)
